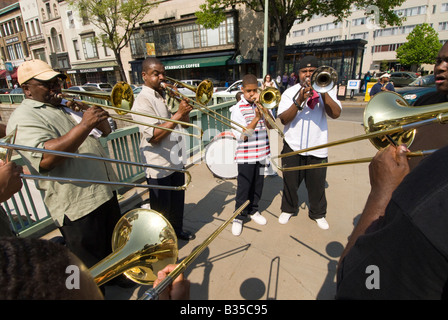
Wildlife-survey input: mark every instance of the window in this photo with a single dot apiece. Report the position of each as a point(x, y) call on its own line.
point(443, 26)
point(55, 40)
point(55, 10)
point(409, 12)
point(47, 6)
point(183, 36)
point(19, 51)
point(89, 47)
point(359, 21)
point(76, 48)
point(11, 53)
point(37, 26)
point(61, 42)
point(324, 27)
point(298, 33)
point(71, 20)
point(361, 35)
point(107, 50)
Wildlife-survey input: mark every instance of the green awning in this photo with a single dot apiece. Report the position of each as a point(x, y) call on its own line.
point(196, 63)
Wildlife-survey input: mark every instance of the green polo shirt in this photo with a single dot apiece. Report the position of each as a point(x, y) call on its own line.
point(37, 123)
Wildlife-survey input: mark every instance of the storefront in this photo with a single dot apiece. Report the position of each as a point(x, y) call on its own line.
point(94, 72)
point(220, 68)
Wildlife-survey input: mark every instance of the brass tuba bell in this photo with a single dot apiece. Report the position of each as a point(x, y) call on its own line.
point(143, 243)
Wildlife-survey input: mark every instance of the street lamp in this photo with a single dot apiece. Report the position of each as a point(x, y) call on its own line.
point(265, 40)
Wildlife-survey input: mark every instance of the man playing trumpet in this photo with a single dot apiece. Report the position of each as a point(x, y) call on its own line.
point(303, 111)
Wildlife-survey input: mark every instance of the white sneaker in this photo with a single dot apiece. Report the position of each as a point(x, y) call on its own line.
point(258, 218)
point(322, 223)
point(284, 217)
point(237, 227)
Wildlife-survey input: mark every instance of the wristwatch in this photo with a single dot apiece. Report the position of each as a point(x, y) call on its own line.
point(298, 105)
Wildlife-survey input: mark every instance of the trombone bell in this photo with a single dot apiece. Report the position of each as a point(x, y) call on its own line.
point(324, 79)
point(204, 91)
point(388, 109)
point(143, 243)
point(270, 97)
point(121, 97)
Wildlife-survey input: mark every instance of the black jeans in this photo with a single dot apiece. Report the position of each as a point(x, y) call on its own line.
point(314, 182)
point(170, 203)
point(90, 237)
point(249, 187)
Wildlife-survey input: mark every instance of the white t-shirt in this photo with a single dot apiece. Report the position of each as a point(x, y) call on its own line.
point(309, 128)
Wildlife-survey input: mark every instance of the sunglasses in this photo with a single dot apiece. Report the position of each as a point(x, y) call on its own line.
point(53, 84)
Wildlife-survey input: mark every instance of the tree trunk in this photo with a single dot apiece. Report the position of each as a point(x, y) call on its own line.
point(120, 66)
point(281, 45)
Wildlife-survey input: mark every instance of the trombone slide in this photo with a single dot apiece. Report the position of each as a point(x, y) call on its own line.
point(84, 156)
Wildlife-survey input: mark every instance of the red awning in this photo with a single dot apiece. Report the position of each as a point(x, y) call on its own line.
point(2, 74)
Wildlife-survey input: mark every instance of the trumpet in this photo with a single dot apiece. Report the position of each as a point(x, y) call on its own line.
point(204, 92)
point(6, 149)
point(122, 99)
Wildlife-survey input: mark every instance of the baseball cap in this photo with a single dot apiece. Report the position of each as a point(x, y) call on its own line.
point(308, 62)
point(385, 75)
point(36, 69)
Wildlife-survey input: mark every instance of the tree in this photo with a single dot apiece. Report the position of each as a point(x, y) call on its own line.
point(116, 19)
point(283, 14)
point(422, 46)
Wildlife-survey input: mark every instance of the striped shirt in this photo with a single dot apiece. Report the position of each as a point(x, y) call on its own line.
point(256, 147)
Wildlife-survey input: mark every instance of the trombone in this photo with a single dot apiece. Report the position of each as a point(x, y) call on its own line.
point(122, 100)
point(5, 154)
point(204, 92)
point(270, 98)
point(143, 243)
point(323, 79)
point(387, 118)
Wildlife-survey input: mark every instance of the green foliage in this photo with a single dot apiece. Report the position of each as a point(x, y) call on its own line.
point(422, 46)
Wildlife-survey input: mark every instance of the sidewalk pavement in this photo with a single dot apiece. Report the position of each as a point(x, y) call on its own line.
point(296, 261)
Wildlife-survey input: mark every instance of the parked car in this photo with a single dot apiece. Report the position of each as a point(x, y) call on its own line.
point(417, 88)
point(4, 90)
point(100, 86)
point(402, 78)
point(83, 88)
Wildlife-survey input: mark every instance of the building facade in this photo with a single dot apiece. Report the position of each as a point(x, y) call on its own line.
point(13, 43)
point(381, 42)
point(52, 31)
point(190, 51)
